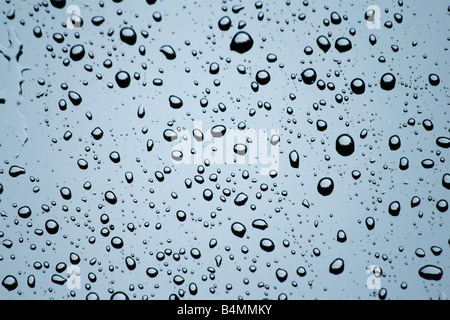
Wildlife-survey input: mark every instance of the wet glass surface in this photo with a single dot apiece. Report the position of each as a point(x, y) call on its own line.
point(224, 150)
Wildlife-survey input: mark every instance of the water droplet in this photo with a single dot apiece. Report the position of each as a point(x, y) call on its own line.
point(267, 245)
point(110, 197)
point(345, 145)
point(323, 43)
point(387, 81)
point(123, 79)
point(309, 76)
point(170, 135)
point(218, 131)
point(119, 295)
point(443, 142)
point(58, 3)
point(358, 86)
point(262, 77)
point(238, 229)
point(241, 42)
point(24, 212)
point(77, 52)
point(175, 102)
point(294, 159)
point(128, 35)
point(394, 208)
point(430, 272)
point(152, 272)
point(10, 283)
point(337, 266)
point(117, 242)
point(394, 142)
point(433, 79)
point(16, 171)
point(66, 194)
point(325, 186)
point(241, 199)
point(281, 274)
point(168, 52)
point(224, 23)
point(343, 44)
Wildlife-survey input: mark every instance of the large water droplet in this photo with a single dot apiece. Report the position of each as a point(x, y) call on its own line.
point(241, 42)
point(325, 186)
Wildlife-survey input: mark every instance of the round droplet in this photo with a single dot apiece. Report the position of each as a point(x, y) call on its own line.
point(58, 3)
point(443, 142)
point(325, 186)
point(241, 42)
point(262, 77)
point(152, 272)
point(110, 197)
point(114, 157)
point(66, 194)
point(446, 181)
point(214, 68)
point(208, 194)
point(301, 271)
point(309, 76)
point(323, 43)
point(218, 131)
point(170, 135)
point(387, 81)
point(97, 20)
point(341, 236)
point(128, 35)
point(442, 205)
point(75, 98)
point(281, 274)
point(240, 199)
point(394, 208)
point(415, 201)
point(238, 229)
point(343, 44)
point(181, 215)
point(240, 149)
point(24, 212)
point(345, 145)
point(358, 86)
point(370, 223)
point(260, 224)
point(130, 263)
point(119, 295)
point(175, 102)
point(267, 245)
point(394, 142)
point(117, 242)
point(77, 52)
point(97, 133)
point(427, 163)
point(82, 164)
point(404, 163)
point(123, 79)
point(433, 79)
point(321, 125)
point(337, 266)
point(335, 18)
point(51, 226)
point(10, 283)
point(177, 155)
point(224, 23)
